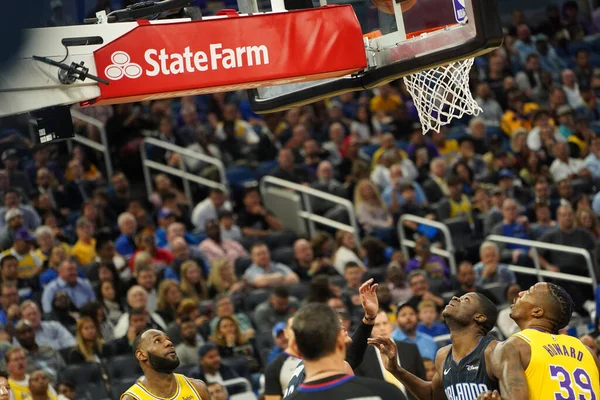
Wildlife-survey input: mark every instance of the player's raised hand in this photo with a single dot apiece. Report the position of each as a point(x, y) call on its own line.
point(389, 351)
point(489, 395)
point(368, 298)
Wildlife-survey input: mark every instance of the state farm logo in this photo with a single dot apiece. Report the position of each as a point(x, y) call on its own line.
point(161, 62)
point(122, 66)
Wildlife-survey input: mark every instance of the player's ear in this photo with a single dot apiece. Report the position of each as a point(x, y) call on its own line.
point(141, 355)
point(537, 312)
point(480, 318)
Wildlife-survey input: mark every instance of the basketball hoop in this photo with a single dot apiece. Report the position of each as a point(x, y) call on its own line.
point(442, 93)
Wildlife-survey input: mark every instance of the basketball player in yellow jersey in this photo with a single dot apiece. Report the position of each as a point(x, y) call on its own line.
point(538, 363)
point(157, 358)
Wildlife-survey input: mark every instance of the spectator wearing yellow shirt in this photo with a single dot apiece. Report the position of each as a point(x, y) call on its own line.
point(388, 142)
point(385, 101)
point(44, 236)
point(19, 380)
point(448, 148)
point(457, 204)
point(84, 249)
point(519, 114)
point(29, 263)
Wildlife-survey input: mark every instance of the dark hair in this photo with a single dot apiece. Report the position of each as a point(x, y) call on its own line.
point(257, 244)
point(319, 291)
point(7, 258)
point(68, 384)
point(351, 264)
point(138, 339)
point(281, 292)
point(3, 374)
point(316, 327)
point(137, 311)
point(184, 319)
point(487, 308)
point(562, 304)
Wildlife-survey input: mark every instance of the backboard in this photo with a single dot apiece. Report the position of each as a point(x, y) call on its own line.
point(402, 37)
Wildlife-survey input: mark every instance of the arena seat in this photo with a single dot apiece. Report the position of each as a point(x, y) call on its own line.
point(265, 168)
point(185, 369)
point(284, 255)
point(118, 388)
point(300, 290)
point(255, 297)
point(238, 176)
point(378, 274)
point(123, 367)
point(238, 364)
point(241, 265)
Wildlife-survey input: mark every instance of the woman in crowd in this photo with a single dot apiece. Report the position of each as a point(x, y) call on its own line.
point(104, 326)
point(347, 250)
point(533, 169)
point(90, 346)
point(371, 210)
point(169, 297)
point(222, 279)
point(323, 245)
point(232, 343)
point(586, 219)
point(110, 301)
point(193, 285)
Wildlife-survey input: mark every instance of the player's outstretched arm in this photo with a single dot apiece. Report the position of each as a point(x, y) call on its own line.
point(508, 369)
point(419, 388)
point(200, 387)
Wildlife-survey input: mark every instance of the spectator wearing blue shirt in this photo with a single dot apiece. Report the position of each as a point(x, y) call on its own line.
point(9, 300)
point(125, 243)
point(489, 270)
point(79, 290)
point(393, 189)
point(57, 256)
point(406, 318)
point(164, 217)
point(513, 226)
point(263, 273)
point(428, 320)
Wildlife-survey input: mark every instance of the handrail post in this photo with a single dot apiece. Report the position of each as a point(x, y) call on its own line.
point(94, 145)
point(311, 223)
point(145, 169)
point(186, 183)
point(402, 237)
point(536, 263)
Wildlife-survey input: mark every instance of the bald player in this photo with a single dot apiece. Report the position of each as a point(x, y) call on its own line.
point(538, 363)
point(157, 358)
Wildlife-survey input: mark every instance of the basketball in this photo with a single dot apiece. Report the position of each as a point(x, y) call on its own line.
point(388, 7)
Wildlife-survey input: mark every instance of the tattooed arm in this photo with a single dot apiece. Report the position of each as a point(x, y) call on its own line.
point(510, 359)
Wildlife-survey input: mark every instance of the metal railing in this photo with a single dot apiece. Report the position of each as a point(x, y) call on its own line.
point(541, 273)
point(101, 147)
point(308, 215)
point(405, 243)
point(180, 172)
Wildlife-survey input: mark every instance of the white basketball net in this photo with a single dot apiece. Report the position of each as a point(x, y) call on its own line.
point(442, 93)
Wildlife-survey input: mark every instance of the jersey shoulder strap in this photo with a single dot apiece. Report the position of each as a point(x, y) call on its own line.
point(185, 382)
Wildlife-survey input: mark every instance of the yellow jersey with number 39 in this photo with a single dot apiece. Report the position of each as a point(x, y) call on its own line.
point(185, 391)
point(560, 368)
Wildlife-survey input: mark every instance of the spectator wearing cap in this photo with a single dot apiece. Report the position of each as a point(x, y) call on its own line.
point(13, 199)
point(211, 369)
point(17, 178)
point(286, 169)
point(528, 79)
point(214, 246)
point(457, 204)
point(208, 208)
point(79, 290)
point(84, 250)
point(519, 113)
point(263, 273)
point(565, 167)
point(14, 221)
point(506, 183)
point(229, 230)
point(187, 350)
point(406, 331)
point(277, 308)
point(571, 88)
point(549, 60)
point(280, 341)
point(29, 262)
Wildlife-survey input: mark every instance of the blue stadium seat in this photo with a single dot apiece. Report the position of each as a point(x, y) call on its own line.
point(238, 176)
point(457, 133)
point(402, 144)
point(370, 149)
point(574, 47)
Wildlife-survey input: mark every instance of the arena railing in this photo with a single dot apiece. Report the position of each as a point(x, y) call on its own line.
point(541, 273)
point(181, 172)
point(306, 214)
point(405, 243)
point(102, 147)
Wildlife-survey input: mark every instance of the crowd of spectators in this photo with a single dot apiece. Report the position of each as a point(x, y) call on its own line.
point(89, 260)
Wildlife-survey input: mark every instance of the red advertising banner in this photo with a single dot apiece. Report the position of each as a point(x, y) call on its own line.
point(186, 58)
